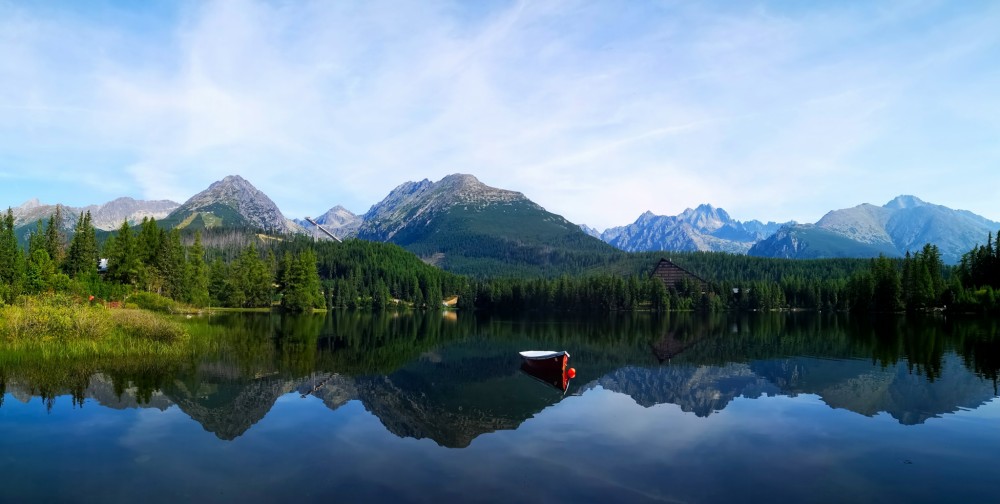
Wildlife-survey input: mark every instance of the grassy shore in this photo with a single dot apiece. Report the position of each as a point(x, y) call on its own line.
point(58, 326)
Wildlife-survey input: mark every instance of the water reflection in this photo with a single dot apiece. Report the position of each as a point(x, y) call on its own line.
point(454, 379)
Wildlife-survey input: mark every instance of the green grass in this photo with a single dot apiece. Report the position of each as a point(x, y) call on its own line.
point(59, 327)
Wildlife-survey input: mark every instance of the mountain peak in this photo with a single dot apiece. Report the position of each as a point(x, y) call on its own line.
point(460, 179)
point(905, 201)
point(703, 228)
point(338, 220)
point(232, 201)
point(32, 203)
point(418, 202)
point(232, 180)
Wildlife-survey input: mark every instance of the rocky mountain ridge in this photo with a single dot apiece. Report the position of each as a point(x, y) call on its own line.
point(415, 202)
point(429, 217)
point(232, 201)
point(705, 228)
point(903, 224)
point(107, 216)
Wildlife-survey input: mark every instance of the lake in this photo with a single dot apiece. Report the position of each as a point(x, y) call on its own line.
point(430, 408)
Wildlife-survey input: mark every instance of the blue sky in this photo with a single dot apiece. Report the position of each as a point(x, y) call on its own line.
point(598, 111)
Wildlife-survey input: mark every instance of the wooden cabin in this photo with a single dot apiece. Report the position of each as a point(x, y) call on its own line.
point(671, 274)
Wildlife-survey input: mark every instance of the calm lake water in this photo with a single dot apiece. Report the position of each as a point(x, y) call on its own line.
point(412, 408)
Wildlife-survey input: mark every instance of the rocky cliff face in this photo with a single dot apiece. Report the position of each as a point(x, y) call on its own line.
point(232, 202)
point(705, 228)
point(110, 215)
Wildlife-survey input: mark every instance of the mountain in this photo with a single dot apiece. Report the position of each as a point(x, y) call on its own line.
point(337, 220)
point(463, 225)
point(904, 224)
point(110, 215)
point(107, 216)
point(590, 231)
point(231, 202)
point(705, 228)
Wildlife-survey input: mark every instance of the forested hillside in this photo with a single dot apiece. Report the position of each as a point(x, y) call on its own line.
point(249, 269)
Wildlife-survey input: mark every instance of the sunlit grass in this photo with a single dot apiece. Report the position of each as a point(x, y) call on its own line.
point(57, 327)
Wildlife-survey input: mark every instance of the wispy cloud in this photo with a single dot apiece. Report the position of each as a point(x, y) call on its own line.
point(597, 111)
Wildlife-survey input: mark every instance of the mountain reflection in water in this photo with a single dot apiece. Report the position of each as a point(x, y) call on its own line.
point(452, 380)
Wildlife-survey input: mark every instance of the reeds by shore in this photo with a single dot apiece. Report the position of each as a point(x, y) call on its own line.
point(57, 326)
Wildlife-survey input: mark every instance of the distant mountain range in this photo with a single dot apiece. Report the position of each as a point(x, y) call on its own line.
point(705, 228)
point(904, 224)
point(461, 224)
point(108, 216)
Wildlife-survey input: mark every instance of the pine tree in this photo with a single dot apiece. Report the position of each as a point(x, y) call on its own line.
point(149, 241)
point(313, 286)
point(197, 271)
point(81, 259)
point(251, 280)
point(12, 266)
point(301, 289)
point(124, 265)
point(887, 285)
point(170, 265)
point(219, 290)
point(40, 272)
point(55, 239)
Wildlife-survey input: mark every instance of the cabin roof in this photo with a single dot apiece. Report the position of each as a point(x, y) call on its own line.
point(671, 274)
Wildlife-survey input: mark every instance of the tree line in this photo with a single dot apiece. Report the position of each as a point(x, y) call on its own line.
point(919, 281)
point(249, 270)
point(149, 259)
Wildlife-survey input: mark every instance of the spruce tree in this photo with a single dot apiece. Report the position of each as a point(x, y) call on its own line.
point(40, 272)
point(197, 271)
point(55, 239)
point(219, 290)
point(170, 265)
point(11, 260)
point(81, 259)
point(124, 265)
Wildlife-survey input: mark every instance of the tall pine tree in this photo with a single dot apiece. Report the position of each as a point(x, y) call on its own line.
point(11, 260)
point(197, 272)
point(124, 264)
point(81, 259)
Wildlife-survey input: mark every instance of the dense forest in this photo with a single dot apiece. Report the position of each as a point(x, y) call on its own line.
point(247, 269)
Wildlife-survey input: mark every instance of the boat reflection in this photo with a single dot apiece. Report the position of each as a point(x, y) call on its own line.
point(552, 377)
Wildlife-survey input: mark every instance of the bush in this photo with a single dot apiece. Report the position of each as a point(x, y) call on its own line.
point(154, 302)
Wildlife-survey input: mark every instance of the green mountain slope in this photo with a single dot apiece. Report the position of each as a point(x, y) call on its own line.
point(464, 226)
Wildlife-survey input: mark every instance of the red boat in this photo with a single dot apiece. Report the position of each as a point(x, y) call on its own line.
point(547, 366)
point(546, 360)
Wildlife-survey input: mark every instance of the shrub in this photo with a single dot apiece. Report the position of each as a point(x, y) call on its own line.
point(154, 302)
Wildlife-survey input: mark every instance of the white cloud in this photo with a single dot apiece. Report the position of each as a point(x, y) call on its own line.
point(596, 111)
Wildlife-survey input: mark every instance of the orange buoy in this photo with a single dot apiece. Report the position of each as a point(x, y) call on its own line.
point(571, 372)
